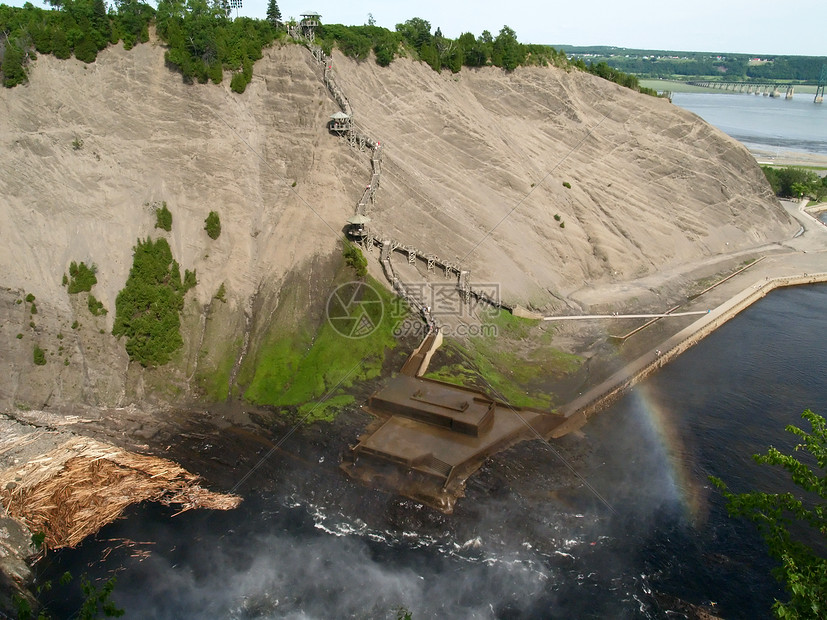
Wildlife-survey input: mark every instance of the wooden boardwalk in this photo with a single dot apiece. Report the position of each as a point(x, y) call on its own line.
point(361, 140)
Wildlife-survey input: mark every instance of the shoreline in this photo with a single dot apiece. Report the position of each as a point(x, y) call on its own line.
point(603, 395)
point(803, 264)
point(783, 158)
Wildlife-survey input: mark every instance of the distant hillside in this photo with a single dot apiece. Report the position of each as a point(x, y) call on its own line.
point(682, 64)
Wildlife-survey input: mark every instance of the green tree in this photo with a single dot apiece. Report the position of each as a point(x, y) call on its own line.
point(792, 182)
point(507, 52)
point(416, 31)
point(794, 525)
point(12, 67)
point(163, 218)
point(97, 600)
point(354, 258)
point(147, 308)
point(86, 49)
point(798, 190)
point(273, 12)
point(213, 225)
point(81, 277)
point(238, 84)
point(60, 44)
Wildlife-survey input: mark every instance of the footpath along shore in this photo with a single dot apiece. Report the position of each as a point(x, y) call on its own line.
point(805, 263)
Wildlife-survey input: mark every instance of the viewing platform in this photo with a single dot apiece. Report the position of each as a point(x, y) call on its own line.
point(430, 435)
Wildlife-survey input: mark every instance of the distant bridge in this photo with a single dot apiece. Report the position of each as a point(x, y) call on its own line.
point(766, 89)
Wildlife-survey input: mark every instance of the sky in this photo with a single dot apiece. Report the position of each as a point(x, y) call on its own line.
point(786, 27)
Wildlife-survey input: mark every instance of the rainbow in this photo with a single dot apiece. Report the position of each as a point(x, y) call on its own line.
point(657, 418)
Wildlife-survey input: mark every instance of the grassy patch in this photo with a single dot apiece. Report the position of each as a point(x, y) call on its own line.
point(296, 370)
point(503, 366)
point(325, 410)
point(511, 327)
point(216, 384)
point(472, 367)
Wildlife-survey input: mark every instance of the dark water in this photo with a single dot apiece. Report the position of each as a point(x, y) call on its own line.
point(773, 124)
point(530, 540)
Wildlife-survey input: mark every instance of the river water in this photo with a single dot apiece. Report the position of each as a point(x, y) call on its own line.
point(765, 123)
point(634, 529)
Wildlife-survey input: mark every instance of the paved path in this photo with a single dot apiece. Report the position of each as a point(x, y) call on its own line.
point(805, 263)
point(589, 317)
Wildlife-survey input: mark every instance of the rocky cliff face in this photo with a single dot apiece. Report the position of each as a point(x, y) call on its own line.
point(474, 170)
point(476, 164)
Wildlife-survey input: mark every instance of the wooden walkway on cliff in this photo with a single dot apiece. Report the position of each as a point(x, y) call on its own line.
point(359, 139)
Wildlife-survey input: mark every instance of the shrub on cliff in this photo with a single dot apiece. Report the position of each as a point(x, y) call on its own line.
point(202, 39)
point(355, 258)
point(163, 218)
point(238, 84)
point(147, 309)
point(39, 356)
point(95, 306)
point(81, 277)
point(12, 66)
point(213, 225)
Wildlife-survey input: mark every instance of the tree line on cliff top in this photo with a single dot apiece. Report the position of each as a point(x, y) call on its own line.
point(203, 40)
point(76, 27)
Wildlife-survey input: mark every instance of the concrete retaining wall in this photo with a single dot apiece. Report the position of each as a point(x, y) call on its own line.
point(610, 390)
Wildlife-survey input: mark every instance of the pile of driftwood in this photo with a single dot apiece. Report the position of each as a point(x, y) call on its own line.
point(75, 489)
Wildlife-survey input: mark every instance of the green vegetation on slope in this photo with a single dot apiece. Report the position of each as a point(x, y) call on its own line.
point(147, 310)
point(309, 370)
point(95, 306)
point(601, 69)
point(354, 258)
point(213, 225)
point(39, 356)
point(163, 218)
point(794, 525)
point(203, 40)
point(414, 37)
point(81, 278)
point(792, 182)
point(214, 381)
point(491, 362)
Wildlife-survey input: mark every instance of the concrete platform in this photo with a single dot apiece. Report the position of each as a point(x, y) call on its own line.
point(440, 451)
point(433, 435)
point(435, 403)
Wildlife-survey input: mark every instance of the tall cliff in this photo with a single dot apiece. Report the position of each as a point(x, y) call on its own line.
point(473, 171)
